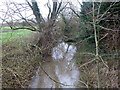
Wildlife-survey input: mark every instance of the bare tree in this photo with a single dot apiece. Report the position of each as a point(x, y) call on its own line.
point(47, 39)
point(39, 24)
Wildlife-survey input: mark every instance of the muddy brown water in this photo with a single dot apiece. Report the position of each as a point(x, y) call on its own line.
point(60, 72)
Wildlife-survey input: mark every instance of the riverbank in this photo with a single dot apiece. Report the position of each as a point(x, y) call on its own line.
point(19, 62)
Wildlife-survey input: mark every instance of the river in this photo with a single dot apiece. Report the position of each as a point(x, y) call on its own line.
point(60, 72)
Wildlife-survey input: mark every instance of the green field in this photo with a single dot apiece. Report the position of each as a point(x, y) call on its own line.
point(5, 28)
point(12, 35)
point(8, 29)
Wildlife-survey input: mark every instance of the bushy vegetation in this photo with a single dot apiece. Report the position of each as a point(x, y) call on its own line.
point(19, 60)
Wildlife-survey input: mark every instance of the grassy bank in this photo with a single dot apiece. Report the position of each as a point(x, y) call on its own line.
point(19, 59)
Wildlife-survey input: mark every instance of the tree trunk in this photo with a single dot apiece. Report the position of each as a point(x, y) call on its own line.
point(46, 42)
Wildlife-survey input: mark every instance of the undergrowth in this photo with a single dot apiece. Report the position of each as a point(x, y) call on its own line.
point(86, 62)
point(19, 63)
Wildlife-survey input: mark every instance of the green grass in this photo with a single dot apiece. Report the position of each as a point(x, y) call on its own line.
point(8, 29)
point(8, 36)
point(5, 28)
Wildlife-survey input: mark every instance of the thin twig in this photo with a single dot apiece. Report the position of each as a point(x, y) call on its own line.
point(103, 61)
point(103, 37)
point(52, 78)
point(87, 53)
point(106, 12)
point(109, 29)
point(83, 83)
point(88, 62)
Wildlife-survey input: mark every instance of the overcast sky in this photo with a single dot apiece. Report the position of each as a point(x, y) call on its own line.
point(41, 4)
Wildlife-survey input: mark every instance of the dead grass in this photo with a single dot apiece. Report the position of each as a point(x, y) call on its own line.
point(19, 62)
point(108, 76)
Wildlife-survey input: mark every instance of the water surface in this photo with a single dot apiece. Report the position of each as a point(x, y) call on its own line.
point(60, 72)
